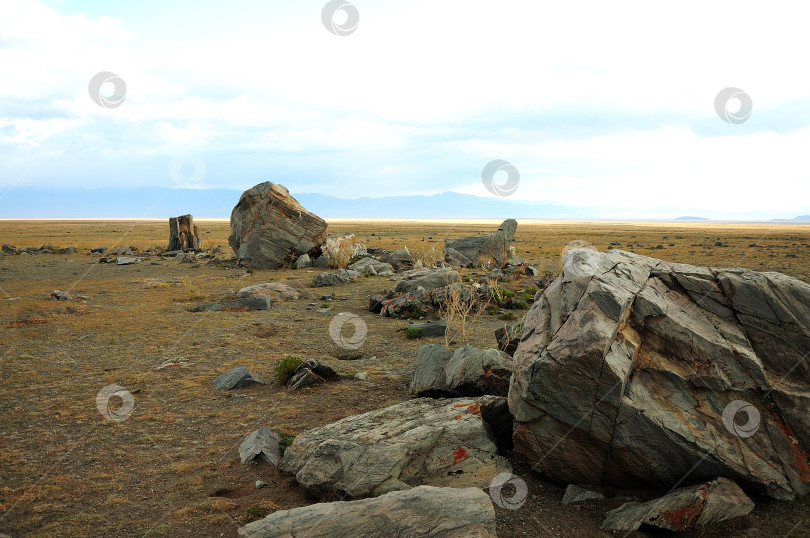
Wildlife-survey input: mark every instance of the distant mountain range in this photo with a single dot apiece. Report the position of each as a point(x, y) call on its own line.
point(160, 202)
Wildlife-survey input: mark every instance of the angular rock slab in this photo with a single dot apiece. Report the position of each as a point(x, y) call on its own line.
point(269, 228)
point(419, 512)
point(683, 509)
point(575, 494)
point(467, 371)
point(419, 442)
point(236, 378)
point(277, 291)
point(633, 371)
point(430, 328)
point(261, 443)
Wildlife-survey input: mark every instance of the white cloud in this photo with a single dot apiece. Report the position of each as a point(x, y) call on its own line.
point(419, 98)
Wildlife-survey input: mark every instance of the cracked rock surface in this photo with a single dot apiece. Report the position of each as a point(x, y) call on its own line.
point(445, 442)
point(422, 511)
point(657, 351)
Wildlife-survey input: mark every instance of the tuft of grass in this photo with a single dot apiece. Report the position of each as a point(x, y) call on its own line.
point(413, 332)
point(192, 291)
point(285, 368)
point(507, 316)
point(284, 441)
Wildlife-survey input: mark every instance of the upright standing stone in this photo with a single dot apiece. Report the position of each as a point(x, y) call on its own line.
point(184, 234)
point(470, 251)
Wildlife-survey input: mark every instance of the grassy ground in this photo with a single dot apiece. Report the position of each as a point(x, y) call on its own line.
point(172, 468)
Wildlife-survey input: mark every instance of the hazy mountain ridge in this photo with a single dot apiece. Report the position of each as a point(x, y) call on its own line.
point(160, 202)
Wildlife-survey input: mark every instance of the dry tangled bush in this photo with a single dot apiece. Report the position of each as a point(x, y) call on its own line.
point(428, 257)
point(461, 307)
point(340, 250)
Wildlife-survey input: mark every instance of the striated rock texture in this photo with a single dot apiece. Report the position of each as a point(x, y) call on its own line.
point(269, 228)
point(468, 251)
point(684, 509)
point(419, 512)
point(184, 234)
point(467, 371)
point(633, 371)
point(445, 442)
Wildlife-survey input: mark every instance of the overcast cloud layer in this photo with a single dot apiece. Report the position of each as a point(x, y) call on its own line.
point(595, 103)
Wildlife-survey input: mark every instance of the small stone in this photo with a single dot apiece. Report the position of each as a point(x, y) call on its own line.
point(260, 484)
point(261, 443)
point(236, 378)
point(575, 494)
point(60, 295)
point(362, 376)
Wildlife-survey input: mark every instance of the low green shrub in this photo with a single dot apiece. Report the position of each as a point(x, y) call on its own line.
point(285, 368)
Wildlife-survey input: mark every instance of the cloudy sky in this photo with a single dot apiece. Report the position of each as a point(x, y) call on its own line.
point(594, 103)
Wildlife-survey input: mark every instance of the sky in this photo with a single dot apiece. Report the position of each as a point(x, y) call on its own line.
point(592, 103)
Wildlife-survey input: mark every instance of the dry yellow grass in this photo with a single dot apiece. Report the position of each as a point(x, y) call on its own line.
point(172, 468)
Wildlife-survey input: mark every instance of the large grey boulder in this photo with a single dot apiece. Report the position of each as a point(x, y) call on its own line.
point(419, 442)
point(277, 291)
point(269, 228)
point(469, 251)
point(635, 371)
point(371, 266)
point(467, 371)
point(419, 512)
point(684, 509)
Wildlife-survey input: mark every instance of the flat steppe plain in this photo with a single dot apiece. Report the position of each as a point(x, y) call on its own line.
point(172, 468)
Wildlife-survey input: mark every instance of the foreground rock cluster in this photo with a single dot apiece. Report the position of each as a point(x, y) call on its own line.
point(628, 372)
